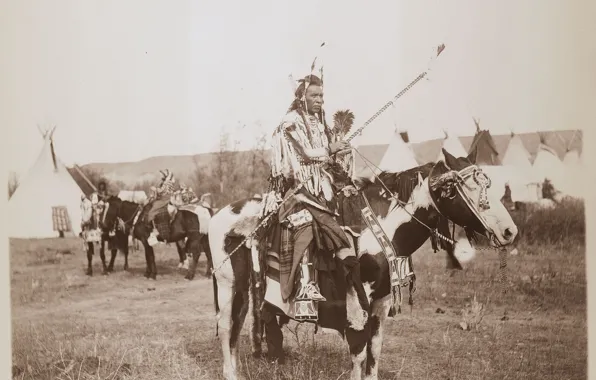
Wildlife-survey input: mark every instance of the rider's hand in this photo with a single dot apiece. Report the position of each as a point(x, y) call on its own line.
point(338, 146)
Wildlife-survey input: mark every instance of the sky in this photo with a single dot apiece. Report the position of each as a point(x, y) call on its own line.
point(128, 80)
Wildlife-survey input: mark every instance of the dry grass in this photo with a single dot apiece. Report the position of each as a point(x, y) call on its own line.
point(69, 326)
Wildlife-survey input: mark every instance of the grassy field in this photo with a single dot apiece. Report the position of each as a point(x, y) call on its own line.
point(66, 325)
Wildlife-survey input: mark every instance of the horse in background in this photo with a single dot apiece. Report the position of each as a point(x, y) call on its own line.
point(453, 189)
point(185, 229)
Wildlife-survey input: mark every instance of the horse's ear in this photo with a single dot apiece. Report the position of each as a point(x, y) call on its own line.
point(359, 182)
point(472, 156)
point(450, 160)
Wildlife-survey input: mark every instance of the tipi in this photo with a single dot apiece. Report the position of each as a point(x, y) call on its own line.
point(399, 155)
point(547, 165)
point(572, 158)
point(524, 185)
point(453, 145)
point(484, 147)
point(47, 202)
point(573, 164)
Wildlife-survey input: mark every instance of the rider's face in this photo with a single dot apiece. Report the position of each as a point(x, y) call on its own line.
point(314, 98)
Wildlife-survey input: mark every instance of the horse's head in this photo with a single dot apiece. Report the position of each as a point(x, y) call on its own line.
point(111, 212)
point(459, 189)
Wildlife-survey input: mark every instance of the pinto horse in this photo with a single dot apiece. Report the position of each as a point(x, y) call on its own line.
point(125, 217)
point(452, 189)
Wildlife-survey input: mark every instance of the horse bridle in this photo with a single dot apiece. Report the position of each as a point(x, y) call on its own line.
point(454, 182)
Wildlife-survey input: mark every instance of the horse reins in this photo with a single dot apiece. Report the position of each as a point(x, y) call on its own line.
point(351, 137)
point(401, 203)
point(459, 177)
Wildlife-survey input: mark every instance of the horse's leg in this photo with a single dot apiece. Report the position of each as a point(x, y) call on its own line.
point(142, 233)
point(380, 309)
point(240, 306)
point(114, 250)
point(357, 338)
point(125, 253)
point(102, 255)
point(146, 248)
point(193, 245)
point(152, 266)
point(224, 293)
point(273, 334)
point(231, 289)
point(90, 249)
point(181, 253)
point(207, 251)
point(195, 252)
point(357, 309)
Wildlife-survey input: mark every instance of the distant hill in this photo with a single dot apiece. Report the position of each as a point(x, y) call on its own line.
point(184, 167)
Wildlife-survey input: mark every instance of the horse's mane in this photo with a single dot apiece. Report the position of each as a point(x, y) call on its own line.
point(403, 183)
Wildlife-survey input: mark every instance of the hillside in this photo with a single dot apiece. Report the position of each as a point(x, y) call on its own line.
point(184, 167)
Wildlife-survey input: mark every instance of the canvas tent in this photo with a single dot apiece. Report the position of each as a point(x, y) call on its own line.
point(399, 155)
point(548, 165)
point(484, 148)
point(47, 202)
point(453, 145)
point(572, 159)
point(524, 184)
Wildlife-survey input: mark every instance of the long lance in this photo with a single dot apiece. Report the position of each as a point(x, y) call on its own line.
point(357, 132)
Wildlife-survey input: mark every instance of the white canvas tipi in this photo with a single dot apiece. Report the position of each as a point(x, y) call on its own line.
point(572, 159)
point(453, 145)
point(524, 184)
point(547, 165)
point(399, 155)
point(47, 202)
point(573, 174)
point(516, 154)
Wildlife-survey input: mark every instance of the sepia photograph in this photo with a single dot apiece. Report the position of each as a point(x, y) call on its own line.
point(297, 190)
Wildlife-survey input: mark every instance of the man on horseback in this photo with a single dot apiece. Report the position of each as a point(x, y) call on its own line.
point(303, 145)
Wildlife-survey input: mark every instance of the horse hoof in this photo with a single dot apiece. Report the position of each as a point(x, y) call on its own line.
point(89, 273)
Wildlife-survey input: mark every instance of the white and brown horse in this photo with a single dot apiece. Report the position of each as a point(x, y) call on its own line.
point(453, 189)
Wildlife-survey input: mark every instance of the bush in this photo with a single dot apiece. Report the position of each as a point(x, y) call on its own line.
point(563, 224)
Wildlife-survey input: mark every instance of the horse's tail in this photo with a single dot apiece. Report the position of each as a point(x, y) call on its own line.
point(215, 302)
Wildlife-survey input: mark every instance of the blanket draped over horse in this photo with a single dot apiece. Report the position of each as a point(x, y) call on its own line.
point(289, 243)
